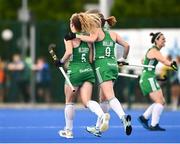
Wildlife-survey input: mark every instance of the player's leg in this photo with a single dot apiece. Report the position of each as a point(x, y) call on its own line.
point(104, 104)
point(175, 93)
point(68, 112)
point(108, 92)
point(143, 119)
point(86, 93)
point(157, 97)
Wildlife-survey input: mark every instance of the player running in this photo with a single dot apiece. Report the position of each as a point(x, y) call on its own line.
point(149, 85)
point(80, 74)
point(106, 69)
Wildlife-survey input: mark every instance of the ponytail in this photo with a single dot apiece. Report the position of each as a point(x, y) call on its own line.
point(111, 20)
point(155, 36)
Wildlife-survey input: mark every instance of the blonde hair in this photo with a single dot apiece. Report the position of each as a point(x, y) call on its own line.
point(86, 22)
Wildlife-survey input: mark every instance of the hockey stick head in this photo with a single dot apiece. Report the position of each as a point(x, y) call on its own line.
point(51, 48)
point(122, 63)
point(51, 51)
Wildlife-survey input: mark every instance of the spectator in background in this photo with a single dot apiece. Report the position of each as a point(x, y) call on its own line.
point(173, 82)
point(167, 72)
point(43, 80)
point(19, 80)
point(2, 81)
point(175, 86)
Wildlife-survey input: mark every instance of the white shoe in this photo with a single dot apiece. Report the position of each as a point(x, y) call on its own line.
point(66, 133)
point(126, 119)
point(93, 130)
point(105, 122)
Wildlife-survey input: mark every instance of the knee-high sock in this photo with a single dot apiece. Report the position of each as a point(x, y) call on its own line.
point(105, 107)
point(148, 112)
point(69, 115)
point(156, 113)
point(116, 106)
point(175, 103)
point(95, 107)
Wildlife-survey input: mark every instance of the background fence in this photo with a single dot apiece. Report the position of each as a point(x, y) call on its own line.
point(46, 32)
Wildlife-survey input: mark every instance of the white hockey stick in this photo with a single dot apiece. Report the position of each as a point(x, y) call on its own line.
point(123, 63)
point(67, 79)
point(52, 53)
point(128, 75)
point(141, 65)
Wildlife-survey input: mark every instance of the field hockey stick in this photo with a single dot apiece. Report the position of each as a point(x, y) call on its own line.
point(128, 75)
point(54, 57)
point(141, 65)
point(137, 76)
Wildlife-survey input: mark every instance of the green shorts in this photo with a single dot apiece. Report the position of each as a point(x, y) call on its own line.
point(79, 73)
point(106, 69)
point(148, 85)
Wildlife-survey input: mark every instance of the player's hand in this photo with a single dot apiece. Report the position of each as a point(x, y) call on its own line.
point(58, 63)
point(70, 36)
point(174, 66)
point(122, 61)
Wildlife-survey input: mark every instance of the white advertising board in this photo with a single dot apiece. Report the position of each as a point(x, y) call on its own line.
point(140, 41)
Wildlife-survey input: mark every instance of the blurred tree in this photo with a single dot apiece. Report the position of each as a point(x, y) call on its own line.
point(8, 9)
point(146, 8)
point(148, 13)
point(56, 9)
point(43, 9)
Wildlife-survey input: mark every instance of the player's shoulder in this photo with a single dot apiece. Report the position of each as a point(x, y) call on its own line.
point(113, 35)
point(153, 49)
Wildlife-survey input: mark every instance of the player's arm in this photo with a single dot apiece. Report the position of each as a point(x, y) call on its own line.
point(91, 38)
point(68, 52)
point(155, 54)
point(90, 52)
point(123, 43)
point(142, 60)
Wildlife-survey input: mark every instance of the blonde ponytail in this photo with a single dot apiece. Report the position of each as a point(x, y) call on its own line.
point(111, 20)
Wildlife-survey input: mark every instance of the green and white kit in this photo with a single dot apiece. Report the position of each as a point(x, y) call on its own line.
point(79, 69)
point(148, 82)
point(105, 62)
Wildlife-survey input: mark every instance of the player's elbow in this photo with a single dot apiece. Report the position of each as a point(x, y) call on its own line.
point(165, 62)
point(69, 54)
point(127, 46)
